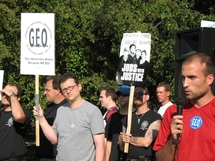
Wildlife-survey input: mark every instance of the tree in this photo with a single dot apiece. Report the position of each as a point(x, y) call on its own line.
point(88, 36)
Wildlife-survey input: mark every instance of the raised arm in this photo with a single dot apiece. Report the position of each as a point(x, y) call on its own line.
point(16, 108)
point(167, 152)
point(17, 111)
point(47, 129)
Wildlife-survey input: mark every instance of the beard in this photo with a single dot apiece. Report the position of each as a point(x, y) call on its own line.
point(5, 103)
point(138, 103)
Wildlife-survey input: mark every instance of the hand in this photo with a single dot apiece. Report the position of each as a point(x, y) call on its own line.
point(126, 138)
point(6, 92)
point(38, 112)
point(176, 126)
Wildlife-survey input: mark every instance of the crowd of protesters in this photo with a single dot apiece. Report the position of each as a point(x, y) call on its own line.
point(73, 129)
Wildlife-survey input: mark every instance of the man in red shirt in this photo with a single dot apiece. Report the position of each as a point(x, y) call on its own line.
point(190, 136)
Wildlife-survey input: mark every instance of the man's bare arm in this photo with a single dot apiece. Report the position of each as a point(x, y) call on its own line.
point(99, 140)
point(167, 153)
point(47, 129)
point(108, 149)
point(150, 135)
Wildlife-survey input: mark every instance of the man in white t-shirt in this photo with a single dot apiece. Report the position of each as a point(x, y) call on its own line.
point(163, 92)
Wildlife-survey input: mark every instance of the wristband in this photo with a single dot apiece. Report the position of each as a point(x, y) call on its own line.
point(13, 95)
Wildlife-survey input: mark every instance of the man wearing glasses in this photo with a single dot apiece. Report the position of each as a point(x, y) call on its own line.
point(144, 129)
point(113, 153)
point(46, 151)
point(78, 128)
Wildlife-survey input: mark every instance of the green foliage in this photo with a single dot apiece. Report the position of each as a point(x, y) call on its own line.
point(88, 36)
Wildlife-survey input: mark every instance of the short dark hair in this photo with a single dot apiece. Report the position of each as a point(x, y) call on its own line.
point(20, 91)
point(67, 76)
point(203, 59)
point(145, 90)
point(144, 51)
point(55, 82)
point(165, 85)
point(109, 91)
point(131, 46)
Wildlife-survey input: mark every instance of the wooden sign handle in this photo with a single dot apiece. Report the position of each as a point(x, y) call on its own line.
point(37, 126)
point(130, 110)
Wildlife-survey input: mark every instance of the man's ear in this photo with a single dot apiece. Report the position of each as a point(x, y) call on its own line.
point(168, 93)
point(58, 91)
point(147, 97)
point(210, 79)
point(79, 86)
point(18, 98)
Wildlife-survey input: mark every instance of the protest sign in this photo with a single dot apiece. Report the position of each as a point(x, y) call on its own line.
point(210, 24)
point(37, 44)
point(134, 59)
point(37, 50)
point(133, 67)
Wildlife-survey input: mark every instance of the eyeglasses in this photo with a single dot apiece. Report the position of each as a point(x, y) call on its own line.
point(123, 95)
point(70, 88)
point(139, 94)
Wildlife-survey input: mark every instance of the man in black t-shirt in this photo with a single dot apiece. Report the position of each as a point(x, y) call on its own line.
point(46, 151)
point(114, 125)
point(145, 125)
point(14, 122)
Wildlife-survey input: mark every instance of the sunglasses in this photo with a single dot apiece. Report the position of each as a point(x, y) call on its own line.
point(123, 95)
point(139, 94)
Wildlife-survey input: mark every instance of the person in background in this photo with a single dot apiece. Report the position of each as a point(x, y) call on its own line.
point(46, 151)
point(108, 99)
point(145, 125)
point(14, 123)
point(143, 64)
point(163, 92)
point(138, 54)
point(190, 136)
point(114, 126)
point(132, 50)
point(78, 129)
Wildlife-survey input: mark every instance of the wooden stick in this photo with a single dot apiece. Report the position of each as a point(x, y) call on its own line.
point(130, 110)
point(37, 127)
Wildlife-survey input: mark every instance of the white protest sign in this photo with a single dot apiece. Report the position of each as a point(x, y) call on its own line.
point(134, 59)
point(1, 79)
point(37, 44)
point(210, 24)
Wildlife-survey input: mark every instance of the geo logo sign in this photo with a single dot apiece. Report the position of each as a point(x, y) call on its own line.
point(38, 38)
point(37, 44)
